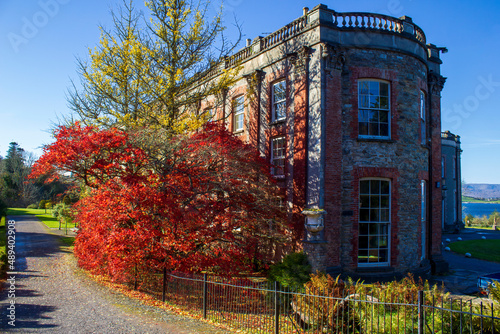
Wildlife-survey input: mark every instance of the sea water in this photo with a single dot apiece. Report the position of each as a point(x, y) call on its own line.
point(479, 209)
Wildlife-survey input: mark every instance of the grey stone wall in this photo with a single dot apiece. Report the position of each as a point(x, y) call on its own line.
point(452, 183)
point(403, 152)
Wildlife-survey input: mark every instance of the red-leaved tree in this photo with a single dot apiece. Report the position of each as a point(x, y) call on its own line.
point(200, 202)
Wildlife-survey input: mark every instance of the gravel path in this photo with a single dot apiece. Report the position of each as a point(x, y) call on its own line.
point(53, 296)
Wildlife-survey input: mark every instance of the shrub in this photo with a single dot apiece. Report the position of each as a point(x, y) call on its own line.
point(494, 218)
point(475, 324)
point(335, 315)
point(63, 213)
point(66, 200)
point(494, 291)
point(332, 305)
point(406, 290)
point(468, 220)
point(292, 272)
point(32, 206)
point(42, 203)
point(3, 209)
point(3, 248)
point(56, 210)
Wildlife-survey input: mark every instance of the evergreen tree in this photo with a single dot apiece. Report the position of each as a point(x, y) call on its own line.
point(15, 188)
point(13, 174)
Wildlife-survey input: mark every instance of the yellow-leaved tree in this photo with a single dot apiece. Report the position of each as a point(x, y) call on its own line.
point(149, 72)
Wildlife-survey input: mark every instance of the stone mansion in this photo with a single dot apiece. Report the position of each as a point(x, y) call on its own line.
point(346, 106)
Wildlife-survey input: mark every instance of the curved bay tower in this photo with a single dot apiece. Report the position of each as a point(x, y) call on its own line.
point(347, 108)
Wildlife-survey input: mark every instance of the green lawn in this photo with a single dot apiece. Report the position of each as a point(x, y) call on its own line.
point(480, 227)
point(480, 249)
point(46, 218)
point(477, 200)
point(22, 211)
point(3, 248)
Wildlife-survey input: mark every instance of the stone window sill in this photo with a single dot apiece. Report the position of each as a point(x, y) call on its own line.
point(376, 140)
point(374, 269)
point(281, 121)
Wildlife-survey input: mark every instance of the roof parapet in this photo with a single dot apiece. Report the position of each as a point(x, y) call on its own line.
point(344, 21)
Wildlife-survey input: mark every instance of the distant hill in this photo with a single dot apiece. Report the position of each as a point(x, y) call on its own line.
point(481, 190)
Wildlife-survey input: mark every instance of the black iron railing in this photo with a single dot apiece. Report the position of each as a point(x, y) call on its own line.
point(254, 306)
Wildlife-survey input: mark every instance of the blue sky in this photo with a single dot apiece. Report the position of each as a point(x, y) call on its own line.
point(40, 40)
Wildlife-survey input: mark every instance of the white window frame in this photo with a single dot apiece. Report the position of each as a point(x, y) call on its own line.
point(366, 231)
point(239, 113)
point(423, 123)
point(443, 167)
point(366, 111)
point(278, 154)
point(279, 103)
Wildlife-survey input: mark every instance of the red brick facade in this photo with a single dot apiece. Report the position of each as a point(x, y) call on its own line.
point(326, 158)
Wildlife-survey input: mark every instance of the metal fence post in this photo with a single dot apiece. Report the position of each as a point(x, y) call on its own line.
point(205, 295)
point(276, 309)
point(420, 312)
point(163, 290)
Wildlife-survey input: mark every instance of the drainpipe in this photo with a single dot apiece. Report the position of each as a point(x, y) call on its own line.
point(224, 97)
point(432, 182)
point(260, 75)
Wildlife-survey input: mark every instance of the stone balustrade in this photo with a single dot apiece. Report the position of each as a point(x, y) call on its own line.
point(284, 33)
point(290, 30)
point(450, 136)
point(238, 57)
point(343, 21)
point(370, 21)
